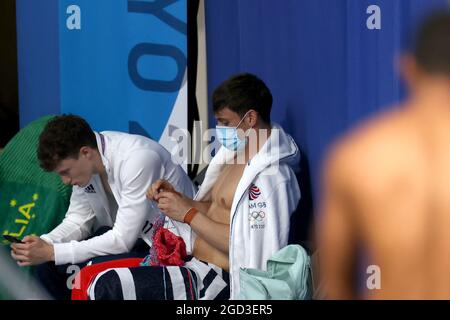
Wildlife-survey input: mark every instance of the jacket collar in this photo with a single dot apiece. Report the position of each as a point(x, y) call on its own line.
point(279, 148)
point(103, 148)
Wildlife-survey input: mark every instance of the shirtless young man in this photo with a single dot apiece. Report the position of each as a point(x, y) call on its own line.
point(386, 188)
point(243, 207)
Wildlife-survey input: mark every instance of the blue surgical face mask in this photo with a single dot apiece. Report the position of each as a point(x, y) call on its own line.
point(229, 138)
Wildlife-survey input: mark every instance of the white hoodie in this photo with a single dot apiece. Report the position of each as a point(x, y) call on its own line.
point(132, 164)
point(266, 196)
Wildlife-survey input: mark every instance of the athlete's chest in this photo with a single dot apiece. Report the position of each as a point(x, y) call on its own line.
point(225, 187)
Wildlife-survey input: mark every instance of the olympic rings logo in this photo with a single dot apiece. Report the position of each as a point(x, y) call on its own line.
point(257, 215)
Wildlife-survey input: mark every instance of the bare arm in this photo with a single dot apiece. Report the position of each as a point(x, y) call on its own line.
point(175, 206)
point(201, 206)
point(214, 233)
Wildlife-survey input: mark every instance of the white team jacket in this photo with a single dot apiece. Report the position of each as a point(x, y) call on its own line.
point(266, 196)
point(132, 164)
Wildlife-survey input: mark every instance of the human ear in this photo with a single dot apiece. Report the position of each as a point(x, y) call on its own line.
point(409, 70)
point(85, 152)
point(252, 118)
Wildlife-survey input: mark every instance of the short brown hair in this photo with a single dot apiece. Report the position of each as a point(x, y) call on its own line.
point(62, 138)
point(244, 92)
point(432, 48)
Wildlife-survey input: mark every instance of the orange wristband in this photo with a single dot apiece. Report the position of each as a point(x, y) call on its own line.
point(190, 214)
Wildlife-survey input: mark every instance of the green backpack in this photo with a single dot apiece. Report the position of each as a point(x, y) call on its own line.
point(288, 277)
point(32, 201)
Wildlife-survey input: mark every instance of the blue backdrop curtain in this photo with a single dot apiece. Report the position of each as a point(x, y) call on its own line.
point(327, 70)
point(120, 64)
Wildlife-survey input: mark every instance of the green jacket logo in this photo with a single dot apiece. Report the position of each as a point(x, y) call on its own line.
point(24, 215)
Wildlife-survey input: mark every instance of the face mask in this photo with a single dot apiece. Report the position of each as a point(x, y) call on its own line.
point(229, 137)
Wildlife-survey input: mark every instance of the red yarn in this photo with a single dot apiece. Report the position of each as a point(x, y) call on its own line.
point(170, 249)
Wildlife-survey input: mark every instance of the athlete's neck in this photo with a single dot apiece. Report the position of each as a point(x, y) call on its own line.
point(256, 140)
point(433, 95)
point(99, 167)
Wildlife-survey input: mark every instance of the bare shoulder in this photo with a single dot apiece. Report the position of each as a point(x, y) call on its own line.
point(373, 149)
point(383, 132)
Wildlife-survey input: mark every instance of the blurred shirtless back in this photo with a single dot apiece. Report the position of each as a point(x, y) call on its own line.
point(405, 221)
point(222, 199)
point(386, 192)
point(393, 174)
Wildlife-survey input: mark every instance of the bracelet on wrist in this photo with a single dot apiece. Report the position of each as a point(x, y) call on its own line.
point(189, 215)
